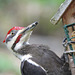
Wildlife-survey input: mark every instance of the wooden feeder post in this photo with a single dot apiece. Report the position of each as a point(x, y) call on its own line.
point(69, 18)
point(66, 12)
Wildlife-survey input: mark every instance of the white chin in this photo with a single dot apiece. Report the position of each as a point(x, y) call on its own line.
point(18, 46)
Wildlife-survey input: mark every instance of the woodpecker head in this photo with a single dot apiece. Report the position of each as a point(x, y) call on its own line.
point(18, 36)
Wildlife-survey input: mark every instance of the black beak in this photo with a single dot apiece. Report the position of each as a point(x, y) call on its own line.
point(29, 28)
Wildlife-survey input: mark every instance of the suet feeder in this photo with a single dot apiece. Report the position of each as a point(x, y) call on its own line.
point(66, 12)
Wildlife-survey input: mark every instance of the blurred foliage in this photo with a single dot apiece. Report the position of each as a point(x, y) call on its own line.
point(7, 65)
point(49, 2)
point(24, 12)
point(40, 1)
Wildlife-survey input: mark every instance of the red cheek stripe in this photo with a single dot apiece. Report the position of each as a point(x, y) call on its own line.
point(18, 39)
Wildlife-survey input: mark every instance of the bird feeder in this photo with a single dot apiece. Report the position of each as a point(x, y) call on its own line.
point(66, 12)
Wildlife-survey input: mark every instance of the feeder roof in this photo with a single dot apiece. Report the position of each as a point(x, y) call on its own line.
point(55, 19)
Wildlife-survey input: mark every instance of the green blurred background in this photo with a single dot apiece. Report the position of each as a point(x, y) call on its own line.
point(23, 13)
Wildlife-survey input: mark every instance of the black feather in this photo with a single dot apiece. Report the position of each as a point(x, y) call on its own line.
point(30, 69)
point(46, 58)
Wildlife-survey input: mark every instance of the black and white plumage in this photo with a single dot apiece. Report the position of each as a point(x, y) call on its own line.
point(46, 59)
point(35, 59)
point(29, 67)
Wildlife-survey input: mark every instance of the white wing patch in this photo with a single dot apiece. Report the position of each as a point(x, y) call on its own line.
point(32, 62)
point(28, 58)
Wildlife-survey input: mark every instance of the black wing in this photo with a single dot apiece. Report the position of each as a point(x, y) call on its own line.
point(30, 69)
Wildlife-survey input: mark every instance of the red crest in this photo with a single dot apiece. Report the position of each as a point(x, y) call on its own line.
point(14, 28)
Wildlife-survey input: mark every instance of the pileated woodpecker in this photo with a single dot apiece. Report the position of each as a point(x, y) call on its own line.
point(35, 59)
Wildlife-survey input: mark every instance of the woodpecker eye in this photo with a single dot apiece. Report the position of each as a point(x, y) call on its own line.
point(12, 33)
